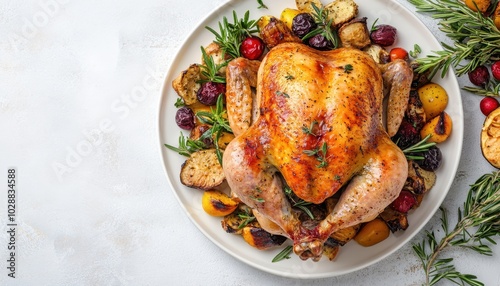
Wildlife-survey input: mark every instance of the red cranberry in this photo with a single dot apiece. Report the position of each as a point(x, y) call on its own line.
point(252, 48)
point(404, 202)
point(488, 104)
point(209, 92)
point(495, 70)
point(480, 76)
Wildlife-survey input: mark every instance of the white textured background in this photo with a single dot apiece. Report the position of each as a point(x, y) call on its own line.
point(108, 217)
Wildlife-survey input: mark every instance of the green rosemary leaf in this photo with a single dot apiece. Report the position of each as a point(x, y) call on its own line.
point(284, 254)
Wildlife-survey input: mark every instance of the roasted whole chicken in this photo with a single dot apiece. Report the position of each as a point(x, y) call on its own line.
point(317, 128)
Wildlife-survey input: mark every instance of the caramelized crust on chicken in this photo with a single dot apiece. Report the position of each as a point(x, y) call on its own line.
point(319, 130)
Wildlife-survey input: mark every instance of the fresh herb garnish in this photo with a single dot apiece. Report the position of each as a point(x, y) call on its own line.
point(324, 28)
point(231, 35)
point(261, 5)
point(320, 154)
point(416, 51)
point(422, 146)
point(309, 130)
point(476, 38)
point(259, 200)
point(219, 124)
point(284, 254)
point(210, 69)
point(282, 94)
point(179, 102)
point(187, 146)
point(348, 68)
point(297, 202)
point(247, 218)
point(478, 223)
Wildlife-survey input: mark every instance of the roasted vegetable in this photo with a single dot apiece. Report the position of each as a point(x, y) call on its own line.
point(330, 249)
point(217, 203)
point(237, 220)
point(379, 54)
point(202, 170)
point(419, 181)
point(478, 5)
point(306, 5)
point(496, 16)
point(345, 235)
point(394, 219)
point(187, 84)
point(434, 99)
point(261, 239)
point(372, 233)
point(419, 78)
point(274, 32)
point(354, 34)
point(215, 51)
point(415, 112)
point(287, 16)
point(490, 138)
point(341, 11)
point(439, 128)
point(383, 35)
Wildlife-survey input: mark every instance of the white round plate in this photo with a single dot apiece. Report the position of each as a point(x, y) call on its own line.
point(351, 257)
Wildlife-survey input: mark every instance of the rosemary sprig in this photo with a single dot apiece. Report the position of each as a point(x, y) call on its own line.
point(210, 69)
point(297, 202)
point(476, 38)
point(419, 147)
point(491, 89)
point(187, 146)
point(219, 124)
point(478, 223)
point(324, 28)
point(261, 5)
point(247, 218)
point(284, 254)
point(231, 35)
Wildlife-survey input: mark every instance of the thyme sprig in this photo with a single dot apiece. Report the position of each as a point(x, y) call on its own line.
point(478, 224)
point(231, 35)
point(422, 146)
point(476, 38)
point(217, 119)
point(324, 27)
point(319, 154)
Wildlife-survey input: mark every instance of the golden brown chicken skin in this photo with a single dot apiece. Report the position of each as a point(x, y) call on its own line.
point(318, 129)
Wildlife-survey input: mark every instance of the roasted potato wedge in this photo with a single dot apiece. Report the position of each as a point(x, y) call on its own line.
point(341, 11)
point(305, 6)
point(355, 34)
point(186, 84)
point(372, 233)
point(490, 138)
point(439, 127)
point(202, 170)
point(261, 239)
point(345, 235)
point(217, 203)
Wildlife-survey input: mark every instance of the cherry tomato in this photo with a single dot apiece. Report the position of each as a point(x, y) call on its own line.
point(252, 48)
point(398, 53)
point(495, 70)
point(488, 104)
